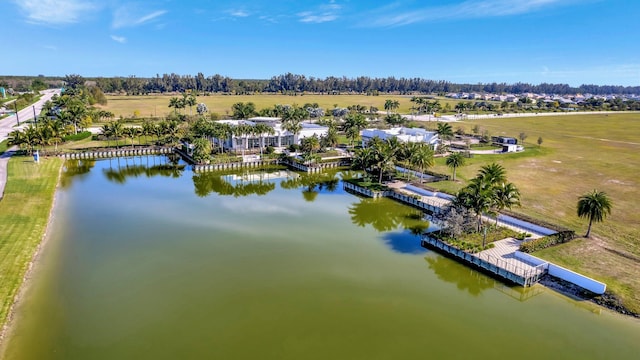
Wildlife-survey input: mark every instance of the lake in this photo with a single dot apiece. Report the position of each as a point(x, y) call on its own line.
point(146, 261)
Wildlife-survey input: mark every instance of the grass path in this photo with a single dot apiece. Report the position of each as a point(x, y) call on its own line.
point(24, 214)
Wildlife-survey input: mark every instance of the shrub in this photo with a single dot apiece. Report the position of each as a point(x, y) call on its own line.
point(544, 242)
point(78, 136)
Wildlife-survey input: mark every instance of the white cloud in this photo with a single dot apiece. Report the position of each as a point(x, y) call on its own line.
point(120, 39)
point(126, 16)
point(324, 13)
point(55, 11)
point(238, 13)
point(469, 9)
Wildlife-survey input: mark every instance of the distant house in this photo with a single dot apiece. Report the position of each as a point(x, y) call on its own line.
point(403, 134)
point(503, 140)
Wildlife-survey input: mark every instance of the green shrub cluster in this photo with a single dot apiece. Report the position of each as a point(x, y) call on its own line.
point(522, 235)
point(79, 136)
point(543, 242)
point(467, 246)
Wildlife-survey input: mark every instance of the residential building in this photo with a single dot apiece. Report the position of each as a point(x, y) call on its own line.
point(403, 134)
point(280, 137)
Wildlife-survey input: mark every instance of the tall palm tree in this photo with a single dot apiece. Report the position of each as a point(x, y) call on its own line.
point(476, 196)
point(388, 105)
point(505, 196)
point(116, 131)
point(454, 161)
point(595, 206)
point(493, 174)
point(422, 157)
point(364, 158)
point(294, 126)
point(174, 103)
point(445, 131)
point(189, 101)
point(243, 110)
point(130, 132)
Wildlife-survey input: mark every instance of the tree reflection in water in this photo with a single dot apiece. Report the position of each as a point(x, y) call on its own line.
point(75, 169)
point(232, 185)
point(312, 184)
point(386, 215)
point(464, 277)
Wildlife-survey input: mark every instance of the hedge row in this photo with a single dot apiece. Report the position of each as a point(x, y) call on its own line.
point(545, 242)
point(79, 136)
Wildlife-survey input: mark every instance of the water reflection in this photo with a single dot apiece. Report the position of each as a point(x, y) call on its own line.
point(465, 278)
point(312, 184)
point(387, 215)
point(233, 184)
point(75, 168)
point(121, 169)
point(405, 242)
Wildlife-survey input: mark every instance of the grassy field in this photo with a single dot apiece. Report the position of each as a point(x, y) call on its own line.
point(4, 145)
point(578, 154)
point(24, 213)
point(157, 105)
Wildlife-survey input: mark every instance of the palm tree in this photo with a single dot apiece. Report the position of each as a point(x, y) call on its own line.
point(595, 206)
point(174, 103)
point(262, 129)
point(477, 196)
point(243, 110)
point(363, 158)
point(505, 196)
point(116, 131)
point(130, 132)
point(310, 144)
point(189, 101)
point(388, 105)
point(385, 156)
point(493, 174)
point(147, 128)
point(455, 160)
point(354, 123)
point(294, 126)
point(445, 131)
point(422, 157)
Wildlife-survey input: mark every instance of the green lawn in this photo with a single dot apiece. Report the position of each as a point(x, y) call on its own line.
point(4, 145)
point(578, 154)
point(24, 214)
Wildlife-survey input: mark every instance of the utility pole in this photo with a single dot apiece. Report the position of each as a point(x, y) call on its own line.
point(15, 104)
point(35, 118)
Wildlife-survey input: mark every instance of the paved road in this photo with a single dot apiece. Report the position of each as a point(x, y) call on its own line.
point(4, 159)
point(8, 124)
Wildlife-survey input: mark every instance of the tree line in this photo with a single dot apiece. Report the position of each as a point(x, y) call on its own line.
point(293, 83)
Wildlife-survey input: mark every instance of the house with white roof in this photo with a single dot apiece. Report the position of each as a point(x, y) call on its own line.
point(279, 138)
point(403, 134)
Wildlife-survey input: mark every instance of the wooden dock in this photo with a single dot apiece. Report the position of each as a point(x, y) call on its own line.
point(499, 261)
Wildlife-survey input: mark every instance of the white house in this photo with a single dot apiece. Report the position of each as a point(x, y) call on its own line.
point(280, 137)
point(403, 134)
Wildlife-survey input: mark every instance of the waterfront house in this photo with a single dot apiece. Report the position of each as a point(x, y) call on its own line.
point(403, 134)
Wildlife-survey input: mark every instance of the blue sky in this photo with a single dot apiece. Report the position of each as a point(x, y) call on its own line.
point(558, 41)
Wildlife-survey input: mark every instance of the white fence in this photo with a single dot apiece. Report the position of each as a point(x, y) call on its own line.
point(565, 274)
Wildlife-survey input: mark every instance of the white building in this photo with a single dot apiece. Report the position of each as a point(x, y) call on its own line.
point(403, 134)
point(280, 137)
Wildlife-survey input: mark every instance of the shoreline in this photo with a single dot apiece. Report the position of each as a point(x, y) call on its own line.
point(25, 284)
point(606, 301)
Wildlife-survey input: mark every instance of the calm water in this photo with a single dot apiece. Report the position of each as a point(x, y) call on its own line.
point(154, 263)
